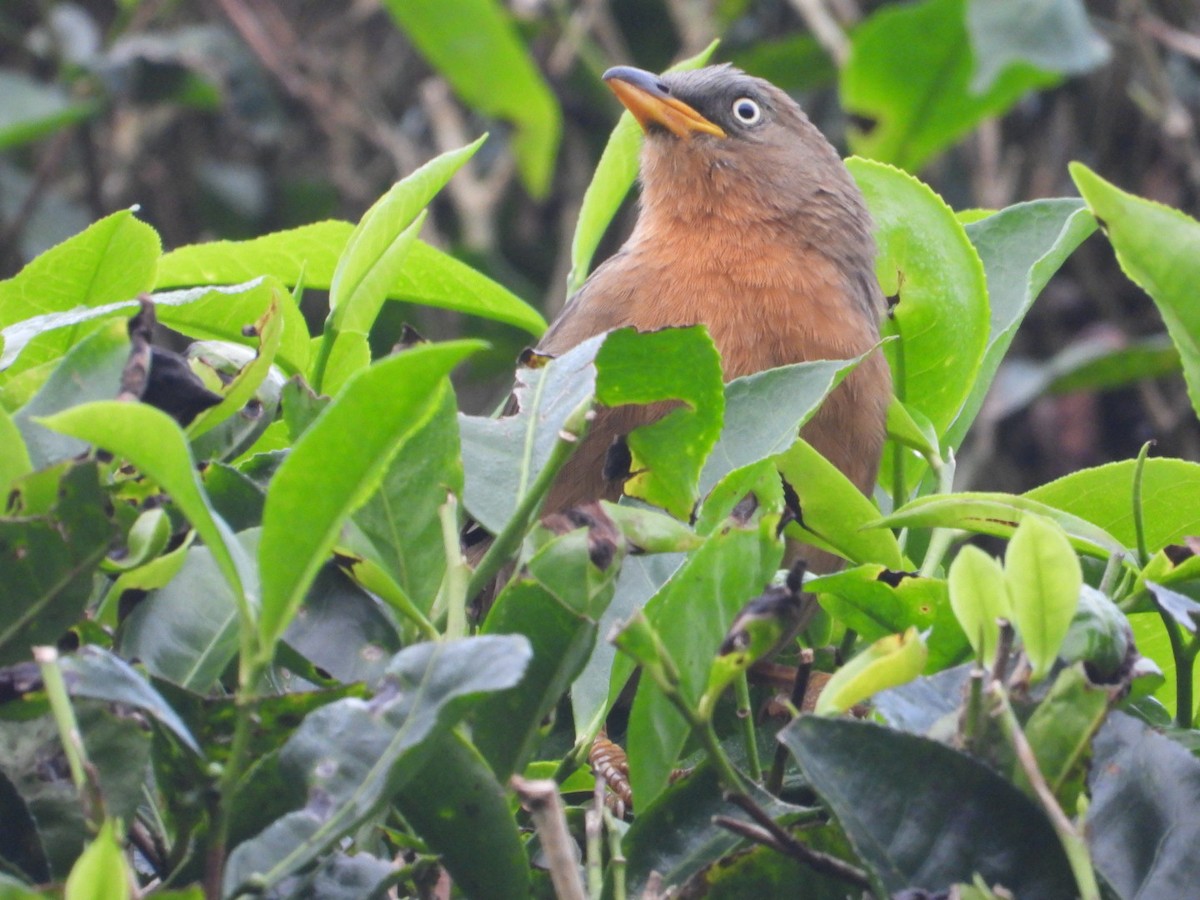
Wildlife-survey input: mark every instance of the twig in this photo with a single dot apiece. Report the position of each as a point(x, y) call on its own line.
point(546, 809)
point(825, 29)
point(814, 859)
point(799, 690)
point(593, 827)
point(1072, 843)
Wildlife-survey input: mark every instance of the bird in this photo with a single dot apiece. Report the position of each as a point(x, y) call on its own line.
point(750, 224)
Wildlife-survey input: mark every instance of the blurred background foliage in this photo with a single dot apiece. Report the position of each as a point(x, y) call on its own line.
point(234, 118)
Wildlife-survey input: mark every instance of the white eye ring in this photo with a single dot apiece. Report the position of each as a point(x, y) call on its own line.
point(746, 111)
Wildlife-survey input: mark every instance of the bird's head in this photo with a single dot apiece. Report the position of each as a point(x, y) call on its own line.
point(725, 144)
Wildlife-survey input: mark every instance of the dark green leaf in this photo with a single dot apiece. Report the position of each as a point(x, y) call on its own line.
point(96, 673)
point(764, 412)
point(47, 564)
point(676, 836)
point(692, 614)
point(921, 815)
point(1142, 825)
point(556, 606)
point(91, 370)
point(354, 756)
point(458, 808)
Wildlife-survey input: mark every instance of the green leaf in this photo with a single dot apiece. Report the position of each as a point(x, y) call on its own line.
point(112, 260)
point(876, 603)
point(238, 392)
point(154, 442)
point(96, 673)
point(1060, 731)
point(614, 176)
point(909, 74)
point(309, 254)
point(999, 515)
point(1021, 247)
point(979, 596)
point(502, 457)
point(1104, 496)
point(1044, 578)
point(336, 465)
point(1099, 636)
point(555, 606)
point(354, 756)
point(1140, 823)
point(430, 277)
point(764, 412)
point(673, 364)
point(730, 568)
point(341, 630)
point(835, 512)
point(101, 872)
point(889, 662)
point(32, 109)
point(926, 260)
point(476, 46)
point(186, 631)
point(1099, 366)
point(921, 815)
point(1052, 35)
point(1159, 249)
point(47, 564)
point(400, 519)
point(458, 808)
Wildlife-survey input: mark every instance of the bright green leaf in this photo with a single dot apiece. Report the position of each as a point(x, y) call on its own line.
point(101, 872)
point(1044, 578)
point(941, 316)
point(14, 455)
point(673, 364)
point(835, 511)
point(999, 514)
point(428, 276)
point(1104, 496)
point(979, 596)
point(1159, 249)
point(890, 661)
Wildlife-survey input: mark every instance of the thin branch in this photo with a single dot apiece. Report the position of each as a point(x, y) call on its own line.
point(825, 29)
point(546, 809)
point(785, 843)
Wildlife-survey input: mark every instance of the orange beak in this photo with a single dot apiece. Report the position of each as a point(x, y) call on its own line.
point(651, 103)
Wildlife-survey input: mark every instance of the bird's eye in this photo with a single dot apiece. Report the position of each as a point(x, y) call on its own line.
point(746, 111)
